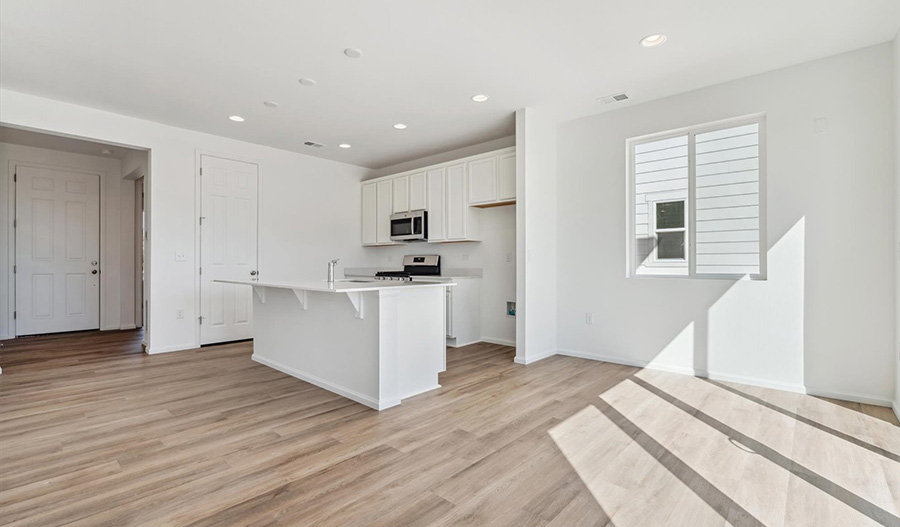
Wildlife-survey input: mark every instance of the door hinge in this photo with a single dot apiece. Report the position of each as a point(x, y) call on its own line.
point(201, 171)
point(201, 220)
point(15, 314)
point(15, 223)
point(201, 320)
point(14, 269)
point(201, 270)
point(15, 178)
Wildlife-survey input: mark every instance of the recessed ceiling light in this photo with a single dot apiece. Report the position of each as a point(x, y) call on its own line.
point(237, 118)
point(344, 145)
point(106, 152)
point(353, 53)
point(270, 104)
point(307, 82)
point(400, 126)
point(653, 40)
point(480, 98)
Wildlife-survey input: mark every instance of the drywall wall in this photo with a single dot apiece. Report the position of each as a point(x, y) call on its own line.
point(897, 222)
point(308, 207)
point(117, 277)
point(823, 321)
point(495, 255)
point(536, 224)
point(443, 157)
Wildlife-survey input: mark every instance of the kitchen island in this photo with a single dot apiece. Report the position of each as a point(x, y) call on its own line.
point(375, 342)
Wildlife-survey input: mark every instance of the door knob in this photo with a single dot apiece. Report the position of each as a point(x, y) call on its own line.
point(94, 262)
point(95, 271)
point(253, 273)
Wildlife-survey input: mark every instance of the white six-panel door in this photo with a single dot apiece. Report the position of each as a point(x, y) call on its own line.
point(228, 248)
point(57, 251)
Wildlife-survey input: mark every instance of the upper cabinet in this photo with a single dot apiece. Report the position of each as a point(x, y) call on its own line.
point(506, 177)
point(482, 180)
point(401, 194)
point(417, 193)
point(453, 193)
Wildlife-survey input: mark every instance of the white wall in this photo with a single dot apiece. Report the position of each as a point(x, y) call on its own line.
point(309, 207)
point(536, 192)
point(897, 225)
point(824, 319)
point(117, 280)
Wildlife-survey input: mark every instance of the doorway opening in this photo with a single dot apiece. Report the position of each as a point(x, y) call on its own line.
point(73, 234)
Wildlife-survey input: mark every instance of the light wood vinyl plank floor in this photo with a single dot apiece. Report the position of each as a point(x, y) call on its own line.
point(93, 432)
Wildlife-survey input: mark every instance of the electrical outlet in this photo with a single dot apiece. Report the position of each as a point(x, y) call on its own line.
point(589, 319)
point(179, 313)
point(180, 256)
point(508, 257)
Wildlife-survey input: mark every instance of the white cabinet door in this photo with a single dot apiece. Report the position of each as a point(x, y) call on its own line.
point(506, 184)
point(401, 194)
point(482, 180)
point(435, 206)
point(417, 196)
point(383, 211)
point(456, 201)
point(228, 248)
point(57, 251)
point(369, 217)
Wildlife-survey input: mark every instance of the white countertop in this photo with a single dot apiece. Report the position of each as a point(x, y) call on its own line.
point(341, 285)
point(446, 274)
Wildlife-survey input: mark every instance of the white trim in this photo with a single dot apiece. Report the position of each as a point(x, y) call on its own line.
point(532, 360)
point(896, 409)
point(456, 344)
point(849, 396)
point(168, 349)
point(502, 342)
point(126, 327)
point(6, 336)
point(728, 377)
point(419, 392)
point(322, 383)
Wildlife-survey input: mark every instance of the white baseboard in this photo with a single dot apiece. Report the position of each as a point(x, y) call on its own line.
point(419, 392)
point(502, 342)
point(896, 406)
point(6, 337)
point(849, 396)
point(728, 377)
point(457, 344)
point(127, 327)
point(168, 349)
point(534, 358)
point(353, 395)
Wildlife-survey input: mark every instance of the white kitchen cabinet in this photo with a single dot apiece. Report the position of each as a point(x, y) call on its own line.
point(435, 205)
point(482, 180)
point(506, 177)
point(369, 214)
point(456, 201)
point(463, 312)
point(401, 194)
point(384, 191)
point(417, 193)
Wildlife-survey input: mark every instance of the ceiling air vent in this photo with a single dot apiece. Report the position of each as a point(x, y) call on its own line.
point(313, 144)
point(619, 97)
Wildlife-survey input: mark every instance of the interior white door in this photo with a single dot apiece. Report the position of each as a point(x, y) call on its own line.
point(57, 251)
point(228, 248)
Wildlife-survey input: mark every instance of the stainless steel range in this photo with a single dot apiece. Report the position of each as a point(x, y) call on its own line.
point(413, 265)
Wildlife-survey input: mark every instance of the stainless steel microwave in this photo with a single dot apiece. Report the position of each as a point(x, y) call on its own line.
point(409, 226)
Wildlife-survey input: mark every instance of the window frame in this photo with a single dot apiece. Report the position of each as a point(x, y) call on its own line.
point(632, 265)
point(655, 260)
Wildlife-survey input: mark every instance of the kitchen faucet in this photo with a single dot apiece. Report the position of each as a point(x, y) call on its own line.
point(331, 265)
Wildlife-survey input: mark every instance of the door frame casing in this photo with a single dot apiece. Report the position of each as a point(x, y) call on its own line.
point(198, 202)
point(11, 236)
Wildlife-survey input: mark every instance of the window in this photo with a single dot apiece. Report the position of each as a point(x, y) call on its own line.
point(696, 201)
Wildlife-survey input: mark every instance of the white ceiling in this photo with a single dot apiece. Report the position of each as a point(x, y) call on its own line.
point(192, 64)
point(17, 136)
